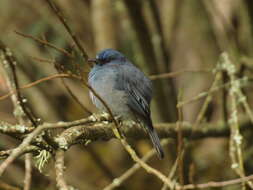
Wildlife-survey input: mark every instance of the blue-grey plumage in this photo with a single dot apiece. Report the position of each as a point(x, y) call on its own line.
point(125, 89)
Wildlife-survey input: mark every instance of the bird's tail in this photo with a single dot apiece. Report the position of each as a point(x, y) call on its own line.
point(155, 140)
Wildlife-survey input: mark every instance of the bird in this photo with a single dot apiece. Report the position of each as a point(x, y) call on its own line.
point(125, 89)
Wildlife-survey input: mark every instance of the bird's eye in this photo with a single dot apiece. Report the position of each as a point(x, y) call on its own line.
point(104, 61)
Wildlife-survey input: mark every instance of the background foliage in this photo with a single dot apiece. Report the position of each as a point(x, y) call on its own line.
point(159, 36)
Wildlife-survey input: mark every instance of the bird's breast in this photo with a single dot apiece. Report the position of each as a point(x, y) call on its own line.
point(103, 83)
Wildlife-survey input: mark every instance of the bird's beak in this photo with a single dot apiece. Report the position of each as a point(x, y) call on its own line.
point(93, 61)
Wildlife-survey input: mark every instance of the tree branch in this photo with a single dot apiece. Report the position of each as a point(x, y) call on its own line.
point(59, 169)
point(28, 171)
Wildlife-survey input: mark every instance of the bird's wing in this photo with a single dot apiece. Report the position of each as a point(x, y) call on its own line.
point(139, 89)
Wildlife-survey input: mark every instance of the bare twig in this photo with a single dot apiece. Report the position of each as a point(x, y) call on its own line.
point(208, 99)
point(63, 20)
point(28, 149)
point(173, 170)
point(5, 186)
point(178, 164)
point(75, 98)
point(119, 180)
point(35, 83)
point(242, 98)
point(39, 59)
point(145, 166)
point(217, 184)
point(243, 81)
point(45, 43)
point(177, 73)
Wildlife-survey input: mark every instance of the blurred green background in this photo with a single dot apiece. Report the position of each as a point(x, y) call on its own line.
point(159, 36)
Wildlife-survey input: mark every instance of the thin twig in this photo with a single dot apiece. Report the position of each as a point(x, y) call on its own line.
point(177, 73)
point(215, 184)
point(207, 101)
point(45, 43)
point(178, 164)
point(39, 59)
point(63, 20)
point(242, 98)
point(28, 149)
point(5, 186)
point(75, 98)
point(242, 81)
point(127, 174)
point(145, 166)
point(35, 83)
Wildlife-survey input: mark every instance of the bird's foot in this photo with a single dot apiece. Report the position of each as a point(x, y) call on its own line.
point(102, 116)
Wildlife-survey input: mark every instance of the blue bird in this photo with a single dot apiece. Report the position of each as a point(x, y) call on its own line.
point(125, 89)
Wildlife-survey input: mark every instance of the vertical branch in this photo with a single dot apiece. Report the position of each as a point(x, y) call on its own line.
point(28, 171)
point(9, 70)
point(237, 97)
point(59, 170)
point(21, 113)
point(179, 163)
point(235, 137)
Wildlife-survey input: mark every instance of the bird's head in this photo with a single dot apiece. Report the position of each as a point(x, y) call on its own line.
point(106, 56)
